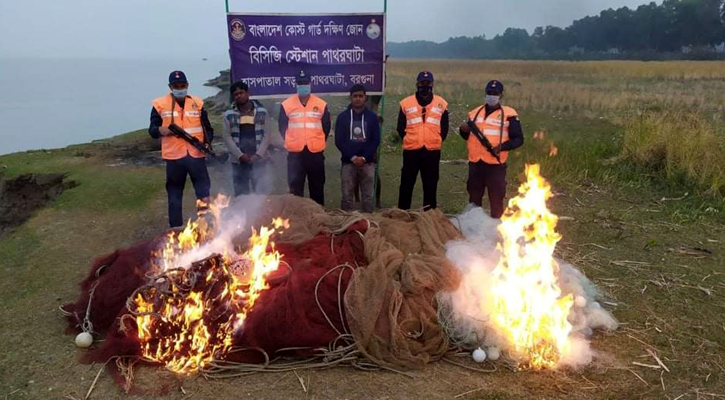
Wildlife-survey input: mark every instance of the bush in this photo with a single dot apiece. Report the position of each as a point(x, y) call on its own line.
point(682, 146)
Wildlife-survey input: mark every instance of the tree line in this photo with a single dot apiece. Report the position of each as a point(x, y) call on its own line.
point(690, 29)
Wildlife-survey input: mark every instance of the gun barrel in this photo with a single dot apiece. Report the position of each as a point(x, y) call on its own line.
point(199, 145)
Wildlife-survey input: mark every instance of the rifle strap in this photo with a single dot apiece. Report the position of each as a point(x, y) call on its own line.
point(503, 118)
point(173, 107)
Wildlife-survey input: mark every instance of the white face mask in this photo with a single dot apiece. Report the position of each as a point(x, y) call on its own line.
point(492, 100)
point(304, 90)
point(179, 93)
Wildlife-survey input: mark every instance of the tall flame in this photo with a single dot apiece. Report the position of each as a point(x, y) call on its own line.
point(187, 318)
point(528, 305)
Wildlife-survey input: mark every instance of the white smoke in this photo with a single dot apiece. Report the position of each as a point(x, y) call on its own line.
point(232, 225)
point(466, 311)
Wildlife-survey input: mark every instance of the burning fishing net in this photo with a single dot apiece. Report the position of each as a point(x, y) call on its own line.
point(514, 294)
point(187, 315)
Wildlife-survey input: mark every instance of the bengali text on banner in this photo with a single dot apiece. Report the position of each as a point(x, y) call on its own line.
point(337, 51)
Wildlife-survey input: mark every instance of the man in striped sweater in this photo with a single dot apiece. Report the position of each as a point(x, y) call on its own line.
point(247, 137)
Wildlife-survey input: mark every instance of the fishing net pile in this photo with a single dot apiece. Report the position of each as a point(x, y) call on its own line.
point(347, 287)
point(277, 283)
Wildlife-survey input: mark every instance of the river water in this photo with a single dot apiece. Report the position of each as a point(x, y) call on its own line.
point(51, 103)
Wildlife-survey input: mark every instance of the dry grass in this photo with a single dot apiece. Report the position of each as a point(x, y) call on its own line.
point(609, 89)
point(682, 145)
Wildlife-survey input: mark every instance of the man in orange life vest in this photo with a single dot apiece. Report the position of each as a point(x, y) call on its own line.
point(186, 111)
point(423, 126)
point(501, 128)
point(304, 123)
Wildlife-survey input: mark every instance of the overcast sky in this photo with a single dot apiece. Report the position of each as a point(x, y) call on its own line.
point(163, 28)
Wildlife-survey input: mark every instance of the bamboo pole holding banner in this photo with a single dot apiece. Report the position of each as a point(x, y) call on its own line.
point(377, 189)
point(231, 69)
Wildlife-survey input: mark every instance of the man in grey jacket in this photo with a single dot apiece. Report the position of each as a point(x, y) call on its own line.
point(247, 137)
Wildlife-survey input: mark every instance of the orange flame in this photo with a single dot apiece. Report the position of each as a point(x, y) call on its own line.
point(553, 150)
point(539, 135)
point(191, 321)
point(529, 308)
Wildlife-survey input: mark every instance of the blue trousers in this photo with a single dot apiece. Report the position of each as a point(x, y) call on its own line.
point(176, 172)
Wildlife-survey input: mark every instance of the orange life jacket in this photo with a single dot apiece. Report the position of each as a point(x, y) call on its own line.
point(188, 118)
point(423, 132)
point(496, 129)
point(305, 124)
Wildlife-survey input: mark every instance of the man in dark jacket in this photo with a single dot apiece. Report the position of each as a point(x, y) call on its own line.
point(357, 136)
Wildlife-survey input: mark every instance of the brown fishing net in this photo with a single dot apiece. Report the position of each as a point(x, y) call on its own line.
point(390, 304)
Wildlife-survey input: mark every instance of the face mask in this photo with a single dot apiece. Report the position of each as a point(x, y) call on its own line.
point(304, 90)
point(492, 100)
point(425, 90)
point(179, 93)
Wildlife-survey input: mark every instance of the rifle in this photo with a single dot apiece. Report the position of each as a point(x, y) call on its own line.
point(482, 138)
point(203, 147)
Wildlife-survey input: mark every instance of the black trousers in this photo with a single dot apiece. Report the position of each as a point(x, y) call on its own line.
point(176, 172)
point(427, 162)
point(256, 174)
point(310, 166)
point(482, 176)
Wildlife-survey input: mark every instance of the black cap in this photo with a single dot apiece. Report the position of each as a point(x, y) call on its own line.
point(302, 78)
point(494, 87)
point(425, 76)
point(177, 77)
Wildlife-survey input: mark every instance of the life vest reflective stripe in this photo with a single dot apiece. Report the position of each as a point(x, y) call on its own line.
point(496, 129)
point(305, 124)
point(423, 132)
point(188, 118)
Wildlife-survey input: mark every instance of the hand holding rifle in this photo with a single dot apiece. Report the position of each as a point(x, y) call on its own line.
point(198, 144)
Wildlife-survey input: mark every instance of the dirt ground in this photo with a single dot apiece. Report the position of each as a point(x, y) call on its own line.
point(21, 196)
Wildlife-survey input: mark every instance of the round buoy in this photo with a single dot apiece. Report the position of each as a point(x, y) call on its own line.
point(479, 355)
point(84, 340)
point(494, 353)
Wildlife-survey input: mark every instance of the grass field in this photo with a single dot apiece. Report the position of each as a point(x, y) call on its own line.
point(646, 231)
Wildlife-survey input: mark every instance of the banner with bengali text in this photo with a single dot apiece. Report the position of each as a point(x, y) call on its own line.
point(337, 51)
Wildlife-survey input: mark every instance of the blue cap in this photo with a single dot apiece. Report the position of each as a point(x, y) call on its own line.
point(494, 86)
point(425, 76)
point(177, 77)
point(302, 78)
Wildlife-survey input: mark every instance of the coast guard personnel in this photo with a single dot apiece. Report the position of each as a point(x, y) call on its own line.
point(499, 131)
point(182, 159)
point(304, 123)
point(423, 126)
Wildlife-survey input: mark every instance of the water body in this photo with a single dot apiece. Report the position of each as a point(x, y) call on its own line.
point(51, 103)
